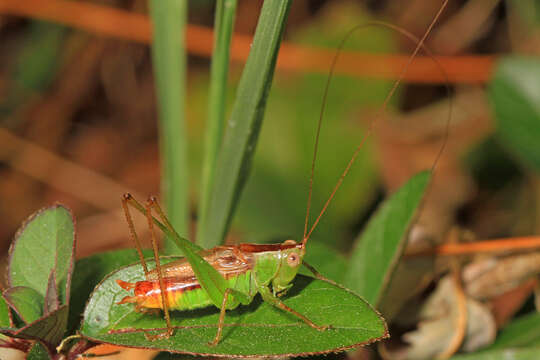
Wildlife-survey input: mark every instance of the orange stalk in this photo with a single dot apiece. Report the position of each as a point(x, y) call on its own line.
point(497, 245)
point(131, 26)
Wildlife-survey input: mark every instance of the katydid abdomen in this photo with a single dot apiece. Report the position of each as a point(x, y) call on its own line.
point(181, 294)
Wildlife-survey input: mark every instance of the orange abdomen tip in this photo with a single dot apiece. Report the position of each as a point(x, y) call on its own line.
point(125, 285)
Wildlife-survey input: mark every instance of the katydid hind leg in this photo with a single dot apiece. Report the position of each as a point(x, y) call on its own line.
point(267, 296)
point(164, 297)
point(126, 199)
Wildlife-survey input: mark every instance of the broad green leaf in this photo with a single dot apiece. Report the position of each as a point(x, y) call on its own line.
point(255, 330)
point(169, 62)
point(515, 95)
point(518, 340)
point(38, 351)
point(521, 332)
point(4, 314)
point(27, 302)
point(49, 329)
point(245, 122)
point(89, 272)
point(44, 243)
point(380, 246)
point(528, 353)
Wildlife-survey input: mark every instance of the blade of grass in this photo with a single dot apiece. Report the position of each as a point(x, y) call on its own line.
point(168, 54)
point(223, 30)
point(245, 122)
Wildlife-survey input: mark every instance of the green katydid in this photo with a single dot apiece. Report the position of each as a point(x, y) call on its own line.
point(225, 276)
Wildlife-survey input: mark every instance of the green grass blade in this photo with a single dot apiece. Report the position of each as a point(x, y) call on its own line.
point(168, 55)
point(223, 30)
point(245, 122)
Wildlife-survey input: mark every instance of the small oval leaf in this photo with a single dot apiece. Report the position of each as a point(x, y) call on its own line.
point(26, 302)
point(38, 351)
point(45, 242)
point(258, 329)
point(5, 320)
point(521, 332)
point(49, 329)
point(529, 353)
point(378, 249)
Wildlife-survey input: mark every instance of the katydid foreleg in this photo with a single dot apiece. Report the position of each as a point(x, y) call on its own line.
point(267, 296)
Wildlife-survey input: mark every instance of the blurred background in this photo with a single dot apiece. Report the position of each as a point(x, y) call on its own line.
point(78, 118)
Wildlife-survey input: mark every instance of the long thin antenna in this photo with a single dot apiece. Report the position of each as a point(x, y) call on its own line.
point(419, 45)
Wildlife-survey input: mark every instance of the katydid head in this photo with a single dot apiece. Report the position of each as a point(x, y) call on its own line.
point(290, 260)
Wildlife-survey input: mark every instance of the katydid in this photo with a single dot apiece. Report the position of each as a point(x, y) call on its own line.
point(226, 276)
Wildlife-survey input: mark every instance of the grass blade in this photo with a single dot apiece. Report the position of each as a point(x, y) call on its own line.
point(223, 29)
point(168, 54)
point(245, 122)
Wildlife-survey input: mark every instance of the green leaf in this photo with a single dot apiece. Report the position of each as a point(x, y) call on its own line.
point(169, 59)
point(518, 340)
point(38, 351)
point(521, 332)
point(27, 302)
point(223, 30)
point(258, 329)
point(89, 272)
point(44, 243)
point(380, 246)
point(4, 314)
point(529, 353)
point(245, 122)
point(49, 329)
point(515, 95)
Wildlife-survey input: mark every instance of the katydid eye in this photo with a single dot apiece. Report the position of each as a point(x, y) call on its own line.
point(293, 260)
point(289, 242)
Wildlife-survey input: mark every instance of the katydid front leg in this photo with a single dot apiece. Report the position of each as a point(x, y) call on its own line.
point(267, 296)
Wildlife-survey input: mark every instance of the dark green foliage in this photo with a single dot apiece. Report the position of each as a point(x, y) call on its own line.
point(245, 122)
point(379, 248)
